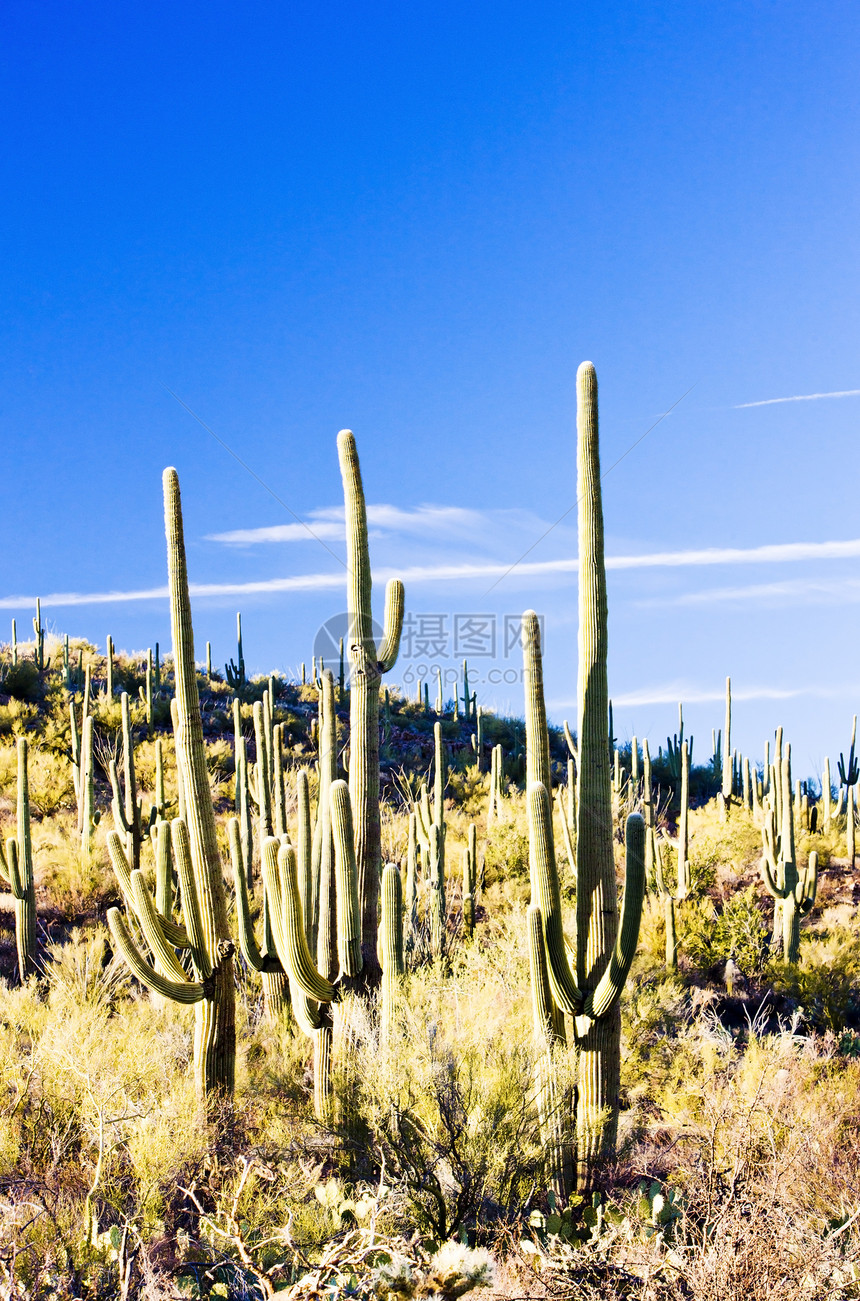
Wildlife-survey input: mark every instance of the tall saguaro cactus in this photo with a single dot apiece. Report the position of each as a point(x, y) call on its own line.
point(197, 856)
point(604, 951)
point(367, 662)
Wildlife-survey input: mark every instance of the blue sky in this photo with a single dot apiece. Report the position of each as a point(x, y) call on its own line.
point(415, 222)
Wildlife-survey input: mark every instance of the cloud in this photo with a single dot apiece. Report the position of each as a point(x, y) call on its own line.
point(824, 591)
point(482, 570)
point(674, 693)
point(327, 524)
point(800, 397)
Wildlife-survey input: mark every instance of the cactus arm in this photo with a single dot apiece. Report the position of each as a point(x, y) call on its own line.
point(116, 808)
point(190, 902)
point(571, 744)
point(769, 869)
point(306, 1010)
point(807, 887)
point(391, 943)
point(4, 865)
point(247, 943)
point(537, 736)
point(389, 647)
point(121, 869)
point(346, 879)
point(16, 885)
point(163, 878)
point(279, 876)
point(166, 961)
point(548, 899)
point(304, 845)
point(189, 991)
point(612, 981)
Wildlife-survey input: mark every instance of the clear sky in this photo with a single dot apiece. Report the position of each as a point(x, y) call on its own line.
point(415, 221)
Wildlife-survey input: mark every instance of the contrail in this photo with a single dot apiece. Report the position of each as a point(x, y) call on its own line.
point(801, 397)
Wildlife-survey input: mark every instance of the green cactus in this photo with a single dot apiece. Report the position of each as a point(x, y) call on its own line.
point(391, 944)
point(673, 747)
point(39, 635)
point(146, 694)
point(109, 668)
point(263, 959)
point(234, 672)
point(683, 880)
point(477, 739)
point(728, 766)
point(367, 663)
point(470, 880)
point(794, 892)
point(126, 808)
point(14, 643)
point(411, 906)
point(195, 851)
point(648, 810)
point(549, 1036)
point(312, 992)
point(604, 949)
point(88, 815)
point(431, 834)
point(16, 868)
point(496, 798)
point(325, 918)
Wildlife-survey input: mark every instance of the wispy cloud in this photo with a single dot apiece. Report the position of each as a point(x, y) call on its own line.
point(823, 591)
point(564, 568)
point(327, 524)
point(674, 692)
point(800, 397)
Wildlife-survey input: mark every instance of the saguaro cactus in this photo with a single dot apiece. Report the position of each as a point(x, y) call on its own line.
point(604, 951)
point(682, 882)
point(127, 809)
point(197, 857)
point(261, 958)
point(431, 833)
point(793, 892)
point(391, 945)
point(16, 868)
point(367, 663)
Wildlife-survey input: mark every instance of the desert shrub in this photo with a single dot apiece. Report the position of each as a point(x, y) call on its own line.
point(506, 852)
point(50, 778)
point(826, 982)
point(21, 681)
point(709, 936)
point(734, 844)
point(455, 1125)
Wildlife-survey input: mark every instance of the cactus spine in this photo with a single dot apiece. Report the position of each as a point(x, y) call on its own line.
point(196, 854)
point(367, 663)
point(16, 868)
